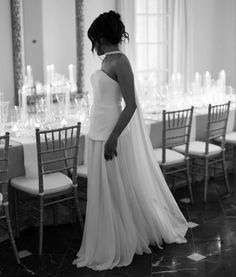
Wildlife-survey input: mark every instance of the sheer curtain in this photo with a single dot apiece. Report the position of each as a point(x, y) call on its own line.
point(181, 39)
point(180, 32)
point(126, 8)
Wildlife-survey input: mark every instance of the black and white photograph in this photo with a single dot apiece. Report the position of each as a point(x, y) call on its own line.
point(118, 138)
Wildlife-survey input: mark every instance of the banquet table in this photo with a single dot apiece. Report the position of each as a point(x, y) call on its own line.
point(19, 159)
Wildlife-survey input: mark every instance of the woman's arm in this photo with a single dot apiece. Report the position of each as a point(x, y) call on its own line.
point(125, 79)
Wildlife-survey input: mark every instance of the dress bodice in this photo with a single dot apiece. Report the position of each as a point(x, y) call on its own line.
point(106, 107)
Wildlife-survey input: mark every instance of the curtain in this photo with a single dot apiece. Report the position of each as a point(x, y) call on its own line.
point(180, 50)
point(181, 40)
point(126, 8)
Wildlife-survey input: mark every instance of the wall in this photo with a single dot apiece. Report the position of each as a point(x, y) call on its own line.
point(58, 22)
point(6, 58)
point(214, 43)
point(91, 10)
point(33, 38)
point(214, 46)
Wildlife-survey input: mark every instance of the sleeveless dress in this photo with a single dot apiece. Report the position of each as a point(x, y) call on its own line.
point(129, 204)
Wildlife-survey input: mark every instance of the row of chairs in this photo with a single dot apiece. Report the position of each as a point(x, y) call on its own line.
point(184, 159)
point(57, 152)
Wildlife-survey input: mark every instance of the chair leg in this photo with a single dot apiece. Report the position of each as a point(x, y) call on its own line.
point(225, 172)
point(41, 212)
point(234, 159)
point(75, 189)
point(189, 181)
point(192, 169)
point(205, 179)
point(16, 206)
point(9, 227)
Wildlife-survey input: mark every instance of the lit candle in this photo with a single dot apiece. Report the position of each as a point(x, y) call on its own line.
point(178, 80)
point(222, 77)
point(29, 75)
point(71, 73)
point(207, 79)
point(23, 103)
point(52, 73)
point(48, 68)
point(67, 101)
point(197, 80)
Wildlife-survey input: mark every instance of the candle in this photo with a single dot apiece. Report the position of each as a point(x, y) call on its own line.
point(207, 79)
point(197, 80)
point(23, 103)
point(52, 73)
point(71, 73)
point(222, 77)
point(178, 80)
point(67, 101)
point(29, 75)
point(48, 68)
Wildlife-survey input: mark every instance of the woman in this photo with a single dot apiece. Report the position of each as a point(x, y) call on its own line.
point(129, 205)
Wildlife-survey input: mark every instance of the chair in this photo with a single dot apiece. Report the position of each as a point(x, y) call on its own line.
point(230, 140)
point(207, 154)
point(4, 204)
point(176, 128)
point(57, 151)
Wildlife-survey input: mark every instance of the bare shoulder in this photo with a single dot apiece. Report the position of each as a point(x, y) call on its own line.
point(121, 64)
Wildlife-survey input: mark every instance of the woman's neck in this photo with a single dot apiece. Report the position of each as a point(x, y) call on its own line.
point(109, 49)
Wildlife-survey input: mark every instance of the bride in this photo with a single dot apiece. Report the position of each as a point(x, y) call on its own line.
point(129, 205)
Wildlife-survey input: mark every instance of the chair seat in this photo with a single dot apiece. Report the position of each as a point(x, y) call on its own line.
point(197, 148)
point(172, 157)
point(1, 199)
point(53, 183)
point(229, 138)
point(82, 170)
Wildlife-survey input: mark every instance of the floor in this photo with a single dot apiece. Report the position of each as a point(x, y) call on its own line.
point(212, 235)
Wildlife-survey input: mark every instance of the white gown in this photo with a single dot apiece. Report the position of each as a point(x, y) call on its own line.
point(129, 205)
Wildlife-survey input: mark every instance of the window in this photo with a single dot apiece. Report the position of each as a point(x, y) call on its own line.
point(152, 44)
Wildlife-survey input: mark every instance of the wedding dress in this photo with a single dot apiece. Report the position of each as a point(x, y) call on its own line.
point(129, 205)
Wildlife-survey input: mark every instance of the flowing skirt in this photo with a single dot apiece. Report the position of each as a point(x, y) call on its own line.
point(129, 206)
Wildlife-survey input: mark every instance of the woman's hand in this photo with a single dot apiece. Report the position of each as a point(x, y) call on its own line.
point(110, 148)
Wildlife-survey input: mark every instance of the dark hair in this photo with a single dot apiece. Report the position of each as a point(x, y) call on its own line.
point(109, 26)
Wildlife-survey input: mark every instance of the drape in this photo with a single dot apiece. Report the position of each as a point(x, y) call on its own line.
point(181, 40)
point(180, 35)
point(126, 8)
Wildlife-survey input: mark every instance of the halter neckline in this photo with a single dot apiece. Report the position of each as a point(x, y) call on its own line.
point(112, 52)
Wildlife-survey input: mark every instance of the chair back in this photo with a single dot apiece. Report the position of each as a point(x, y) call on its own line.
point(4, 151)
point(217, 123)
point(176, 129)
point(57, 151)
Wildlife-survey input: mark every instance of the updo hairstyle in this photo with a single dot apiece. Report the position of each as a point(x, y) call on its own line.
point(109, 26)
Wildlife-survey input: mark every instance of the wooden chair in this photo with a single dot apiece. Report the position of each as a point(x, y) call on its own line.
point(207, 154)
point(176, 128)
point(57, 151)
point(4, 204)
